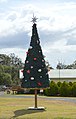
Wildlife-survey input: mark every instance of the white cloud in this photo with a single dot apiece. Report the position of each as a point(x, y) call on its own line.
point(13, 23)
point(59, 45)
point(3, 0)
point(57, 17)
point(56, 23)
point(21, 53)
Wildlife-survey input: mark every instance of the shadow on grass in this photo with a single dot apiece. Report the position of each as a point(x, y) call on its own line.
point(24, 112)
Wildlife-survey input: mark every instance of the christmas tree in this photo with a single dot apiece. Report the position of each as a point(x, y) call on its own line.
point(35, 71)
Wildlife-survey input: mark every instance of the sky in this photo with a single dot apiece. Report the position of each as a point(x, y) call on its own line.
point(56, 27)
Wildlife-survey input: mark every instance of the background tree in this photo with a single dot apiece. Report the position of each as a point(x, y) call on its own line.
point(5, 79)
point(4, 59)
point(9, 69)
point(60, 65)
point(64, 66)
point(1, 68)
point(15, 61)
point(48, 66)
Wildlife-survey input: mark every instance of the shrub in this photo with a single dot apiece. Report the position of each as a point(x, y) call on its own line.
point(53, 88)
point(74, 89)
point(61, 89)
point(65, 89)
point(59, 83)
point(47, 92)
point(70, 83)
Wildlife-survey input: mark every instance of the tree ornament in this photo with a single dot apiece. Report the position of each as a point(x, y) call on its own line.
point(37, 41)
point(35, 58)
point(27, 52)
point(40, 76)
point(31, 47)
point(47, 73)
point(31, 67)
point(39, 84)
point(28, 71)
point(27, 61)
point(22, 71)
point(32, 78)
point(42, 60)
point(25, 80)
point(39, 70)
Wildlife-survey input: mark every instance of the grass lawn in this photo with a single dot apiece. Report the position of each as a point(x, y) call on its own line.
point(17, 108)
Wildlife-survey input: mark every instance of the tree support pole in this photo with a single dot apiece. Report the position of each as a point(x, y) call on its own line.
point(35, 98)
point(36, 108)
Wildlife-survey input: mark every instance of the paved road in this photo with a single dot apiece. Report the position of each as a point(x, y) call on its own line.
point(66, 99)
point(1, 93)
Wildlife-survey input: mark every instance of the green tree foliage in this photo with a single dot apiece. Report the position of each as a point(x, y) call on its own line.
point(1, 68)
point(5, 60)
point(15, 61)
point(35, 70)
point(53, 90)
point(47, 92)
point(74, 89)
point(61, 89)
point(9, 69)
point(64, 89)
point(70, 83)
point(69, 66)
point(59, 83)
point(5, 79)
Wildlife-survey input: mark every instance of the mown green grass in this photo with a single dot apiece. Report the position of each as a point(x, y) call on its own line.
point(17, 108)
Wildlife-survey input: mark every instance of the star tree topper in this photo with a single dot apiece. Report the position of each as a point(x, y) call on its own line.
point(34, 19)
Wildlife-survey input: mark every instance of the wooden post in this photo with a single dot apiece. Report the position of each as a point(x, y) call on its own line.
point(36, 108)
point(35, 98)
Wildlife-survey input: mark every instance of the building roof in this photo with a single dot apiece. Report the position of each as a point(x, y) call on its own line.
point(62, 73)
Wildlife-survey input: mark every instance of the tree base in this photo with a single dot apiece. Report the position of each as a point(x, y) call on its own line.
point(38, 108)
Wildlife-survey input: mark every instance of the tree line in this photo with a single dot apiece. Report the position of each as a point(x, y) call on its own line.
point(61, 65)
point(9, 69)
